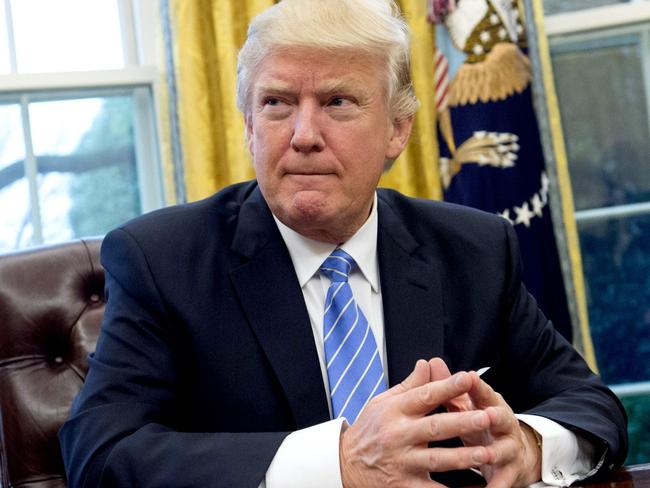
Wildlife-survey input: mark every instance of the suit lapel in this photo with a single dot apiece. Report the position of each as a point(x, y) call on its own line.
point(411, 294)
point(272, 299)
point(273, 302)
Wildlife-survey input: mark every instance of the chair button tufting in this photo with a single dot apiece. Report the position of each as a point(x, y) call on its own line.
point(58, 360)
point(94, 298)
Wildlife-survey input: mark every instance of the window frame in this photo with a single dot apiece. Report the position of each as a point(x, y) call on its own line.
point(140, 78)
point(591, 23)
point(597, 18)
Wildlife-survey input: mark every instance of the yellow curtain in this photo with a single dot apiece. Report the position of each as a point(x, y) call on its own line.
point(207, 35)
point(415, 172)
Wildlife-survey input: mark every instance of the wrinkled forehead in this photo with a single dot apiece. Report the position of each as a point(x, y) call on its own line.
point(292, 68)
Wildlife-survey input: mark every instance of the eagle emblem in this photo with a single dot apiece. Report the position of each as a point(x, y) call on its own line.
point(487, 36)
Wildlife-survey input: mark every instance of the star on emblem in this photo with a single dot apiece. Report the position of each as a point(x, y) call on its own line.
point(545, 182)
point(523, 214)
point(538, 205)
point(506, 215)
point(544, 190)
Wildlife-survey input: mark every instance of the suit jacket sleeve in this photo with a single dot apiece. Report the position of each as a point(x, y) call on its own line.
point(542, 374)
point(125, 428)
point(452, 287)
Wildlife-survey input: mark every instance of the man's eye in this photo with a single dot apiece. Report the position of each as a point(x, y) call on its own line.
point(272, 102)
point(339, 102)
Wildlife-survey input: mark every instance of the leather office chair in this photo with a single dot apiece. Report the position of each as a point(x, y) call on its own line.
point(51, 307)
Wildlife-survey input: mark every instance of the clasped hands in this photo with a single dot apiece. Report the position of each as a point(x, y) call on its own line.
point(387, 445)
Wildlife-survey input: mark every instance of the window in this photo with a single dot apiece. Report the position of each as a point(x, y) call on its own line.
point(77, 134)
point(601, 62)
point(559, 6)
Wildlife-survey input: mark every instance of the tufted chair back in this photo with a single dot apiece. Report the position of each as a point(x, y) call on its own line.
point(51, 307)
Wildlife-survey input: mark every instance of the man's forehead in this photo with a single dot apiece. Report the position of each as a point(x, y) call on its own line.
point(327, 73)
point(284, 83)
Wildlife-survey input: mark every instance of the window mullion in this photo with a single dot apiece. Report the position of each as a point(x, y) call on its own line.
point(145, 17)
point(147, 160)
point(31, 171)
point(11, 38)
point(596, 18)
point(614, 212)
point(129, 39)
point(645, 66)
point(631, 389)
point(131, 76)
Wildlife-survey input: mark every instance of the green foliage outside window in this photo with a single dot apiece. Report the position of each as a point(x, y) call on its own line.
point(106, 196)
point(638, 410)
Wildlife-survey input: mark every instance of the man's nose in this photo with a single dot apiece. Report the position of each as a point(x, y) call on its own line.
point(307, 135)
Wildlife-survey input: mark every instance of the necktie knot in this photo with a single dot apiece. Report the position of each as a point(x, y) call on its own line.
point(338, 265)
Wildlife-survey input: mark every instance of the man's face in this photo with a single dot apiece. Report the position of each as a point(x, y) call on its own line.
point(319, 132)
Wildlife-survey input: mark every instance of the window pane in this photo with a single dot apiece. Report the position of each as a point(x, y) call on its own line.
point(5, 65)
point(617, 271)
point(86, 162)
point(15, 218)
point(559, 6)
point(67, 35)
point(603, 101)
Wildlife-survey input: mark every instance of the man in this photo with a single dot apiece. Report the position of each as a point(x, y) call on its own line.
point(225, 349)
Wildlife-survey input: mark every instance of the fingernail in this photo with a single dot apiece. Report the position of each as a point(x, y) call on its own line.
point(460, 379)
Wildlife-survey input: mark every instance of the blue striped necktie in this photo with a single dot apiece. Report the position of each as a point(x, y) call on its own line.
point(354, 367)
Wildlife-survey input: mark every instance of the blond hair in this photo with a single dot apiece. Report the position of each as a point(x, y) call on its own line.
point(375, 27)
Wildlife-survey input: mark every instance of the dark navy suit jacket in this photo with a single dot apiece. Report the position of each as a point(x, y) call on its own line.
point(206, 358)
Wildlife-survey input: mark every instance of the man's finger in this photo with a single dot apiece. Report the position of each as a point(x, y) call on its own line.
point(502, 420)
point(442, 426)
point(439, 459)
point(439, 371)
point(423, 483)
point(423, 399)
point(502, 451)
point(482, 395)
point(504, 478)
point(418, 377)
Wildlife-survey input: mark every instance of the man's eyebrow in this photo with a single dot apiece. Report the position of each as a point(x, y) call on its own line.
point(338, 86)
point(276, 88)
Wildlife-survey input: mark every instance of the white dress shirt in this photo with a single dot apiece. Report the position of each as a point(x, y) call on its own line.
point(309, 458)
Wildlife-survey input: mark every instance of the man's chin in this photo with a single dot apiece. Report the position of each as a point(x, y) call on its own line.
point(318, 214)
point(311, 206)
point(309, 214)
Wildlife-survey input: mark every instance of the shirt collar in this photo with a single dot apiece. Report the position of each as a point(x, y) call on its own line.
point(307, 254)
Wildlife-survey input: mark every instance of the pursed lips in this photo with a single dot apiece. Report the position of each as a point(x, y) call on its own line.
point(309, 173)
point(315, 173)
point(309, 180)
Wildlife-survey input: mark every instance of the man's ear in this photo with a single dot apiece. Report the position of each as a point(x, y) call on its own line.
point(248, 123)
point(401, 131)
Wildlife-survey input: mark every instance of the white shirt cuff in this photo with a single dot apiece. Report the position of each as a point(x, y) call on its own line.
point(308, 458)
point(566, 457)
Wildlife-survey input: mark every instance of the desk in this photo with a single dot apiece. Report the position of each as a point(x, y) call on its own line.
point(628, 477)
point(637, 476)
